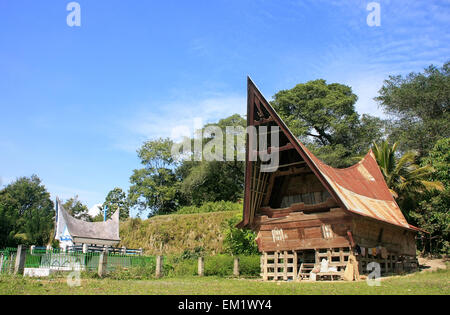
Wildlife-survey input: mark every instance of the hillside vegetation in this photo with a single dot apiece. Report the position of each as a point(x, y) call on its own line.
point(177, 233)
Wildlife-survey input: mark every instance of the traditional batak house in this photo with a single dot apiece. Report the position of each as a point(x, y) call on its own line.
point(71, 231)
point(310, 217)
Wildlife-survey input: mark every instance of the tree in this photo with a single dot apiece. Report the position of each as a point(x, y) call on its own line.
point(155, 186)
point(405, 179)
point(419, 104)
point(323, 116)
point(117, 200)
point(205, 181)
point(26, 213)
point(432, 213)
point(77, 209)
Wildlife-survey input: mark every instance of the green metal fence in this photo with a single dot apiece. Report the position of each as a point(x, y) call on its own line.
point(7, 260)
point(75, 260)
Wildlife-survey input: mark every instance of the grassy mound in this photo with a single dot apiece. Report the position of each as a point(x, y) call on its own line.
point(177, 233)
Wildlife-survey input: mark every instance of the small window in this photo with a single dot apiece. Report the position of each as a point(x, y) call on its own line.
point(327, 233)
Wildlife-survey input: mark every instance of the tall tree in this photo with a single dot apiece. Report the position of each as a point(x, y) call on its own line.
point(216, 180)
point(155, 187)
point(117, 200)
point(77, 209)
point(26, 213)
point(419, 104)
point(324, 117)
point(432, 213)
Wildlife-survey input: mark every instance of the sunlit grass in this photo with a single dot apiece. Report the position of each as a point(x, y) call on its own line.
point(437, 282)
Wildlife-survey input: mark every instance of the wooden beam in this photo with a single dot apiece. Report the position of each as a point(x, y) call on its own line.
point(262, 121)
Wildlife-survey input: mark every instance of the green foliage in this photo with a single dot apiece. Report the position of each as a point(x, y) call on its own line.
point(420, 106)
point(239, 241)
point(166, 182)
point(77, 209)
point(323, 116)
point(250, 266)
point(117, 200)
point(433, 213)
point(182, 266)
point(204, 181)
point(405, 179)
point(26, 213)
point(155, 186)
point(219, 265)
point(211, 207)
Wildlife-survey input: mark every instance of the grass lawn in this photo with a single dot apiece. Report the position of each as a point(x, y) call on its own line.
point(436, 282)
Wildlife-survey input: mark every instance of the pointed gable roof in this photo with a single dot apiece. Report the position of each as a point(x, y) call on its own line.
point(360, 189)
point(104, 233)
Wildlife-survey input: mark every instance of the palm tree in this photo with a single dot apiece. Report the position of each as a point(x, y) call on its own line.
point(404, 178)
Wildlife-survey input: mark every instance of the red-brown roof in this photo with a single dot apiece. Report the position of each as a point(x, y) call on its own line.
point(361, 188)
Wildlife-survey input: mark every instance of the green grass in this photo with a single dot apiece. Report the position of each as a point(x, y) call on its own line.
point(175, 233)
point(437, 282)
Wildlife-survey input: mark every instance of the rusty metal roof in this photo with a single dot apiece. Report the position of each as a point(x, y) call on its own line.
point(362, 188)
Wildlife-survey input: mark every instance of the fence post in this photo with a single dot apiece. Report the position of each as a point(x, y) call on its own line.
point(159, 266)
point(236, 267)
point(102, 264)
point(1, 262)
point(201, 266)
point(85, 248)
point(124, 250)
point(141, 252)
point(32, 248)
point(49, 248)
point(20, 260)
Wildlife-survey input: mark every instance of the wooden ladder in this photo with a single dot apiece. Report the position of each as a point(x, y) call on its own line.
point(305, 270)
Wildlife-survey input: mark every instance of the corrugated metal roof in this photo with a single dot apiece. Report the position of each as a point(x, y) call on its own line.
point(362, 189)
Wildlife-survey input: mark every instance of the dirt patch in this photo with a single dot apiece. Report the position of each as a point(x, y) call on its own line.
point(427, 264)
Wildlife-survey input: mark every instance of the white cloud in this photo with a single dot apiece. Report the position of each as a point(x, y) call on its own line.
point(151, 123)
point(95, 210)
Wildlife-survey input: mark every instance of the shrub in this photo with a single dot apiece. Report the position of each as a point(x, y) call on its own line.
point(219, 265)
point(239, 241)
point(249, 266)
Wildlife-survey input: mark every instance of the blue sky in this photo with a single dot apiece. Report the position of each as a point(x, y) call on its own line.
point(76, 102)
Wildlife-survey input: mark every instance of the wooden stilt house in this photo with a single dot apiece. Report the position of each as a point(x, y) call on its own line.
point(305, 211)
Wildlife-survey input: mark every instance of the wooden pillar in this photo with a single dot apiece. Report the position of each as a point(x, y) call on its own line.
point(236, 267)
point(295, 266)
point(264, 266)
point(159, 266)
point(20, 260)
point(285, 260)
point(1, 262)
point(102, 264)
point(201, 266)
point(275, 263)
